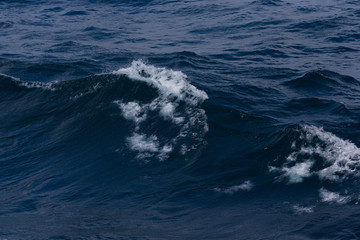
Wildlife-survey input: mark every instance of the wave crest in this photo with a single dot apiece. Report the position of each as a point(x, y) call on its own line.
point(177, 104)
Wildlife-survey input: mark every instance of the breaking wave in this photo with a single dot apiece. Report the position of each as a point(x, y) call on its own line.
point(178, 104)
point(321, 154)
point(161, 109)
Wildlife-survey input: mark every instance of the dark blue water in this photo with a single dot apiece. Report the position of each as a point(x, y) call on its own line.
point(179, 120)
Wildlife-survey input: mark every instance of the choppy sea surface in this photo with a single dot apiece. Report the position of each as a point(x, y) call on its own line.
point(180, 119)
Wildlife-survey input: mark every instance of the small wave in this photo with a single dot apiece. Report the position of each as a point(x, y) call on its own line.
point(53, 9)
point(321, 80)
point(178, 103)
point(6, 24)
point(75, 13)
point(322, 154)
point(267, 3)
point(318, 25)
point(30, 84)
point(348, 37)
point(315, 109)
point(311, 80)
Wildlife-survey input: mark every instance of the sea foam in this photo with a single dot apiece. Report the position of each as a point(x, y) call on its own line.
point(303, 210)
point(332, 197)
point(245, 186)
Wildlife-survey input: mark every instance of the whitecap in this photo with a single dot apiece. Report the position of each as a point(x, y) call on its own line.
point(322, 154)
point(168, 82)
point(342, 156)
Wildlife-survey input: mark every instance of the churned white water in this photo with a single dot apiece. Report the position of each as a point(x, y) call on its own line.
point(322, 154)
point(173, 90)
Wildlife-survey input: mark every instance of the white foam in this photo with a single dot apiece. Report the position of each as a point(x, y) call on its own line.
point(173, 90)
point(132, 111)
point(322, 154)
point(141, 143)
point(167, 111)
point(148, 146)
point(43, 85)
point(298, 172)
point(168, 82)
point(165, 151)
point(302, 210)
point(91, 90)
point(327, 196)
point(246, 186)
point(342, 156)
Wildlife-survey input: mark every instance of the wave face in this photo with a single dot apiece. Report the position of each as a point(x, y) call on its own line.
point(179, 120)
point(159, 108)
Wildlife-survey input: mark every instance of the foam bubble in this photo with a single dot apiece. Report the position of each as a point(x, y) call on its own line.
point(148, 146)
point(173, 91)
point(142, 143)
point(167, 111)
point(246, 186)
point(91, 90)
point(165, 151)
point(43, 85)
point(132, 111)
point(298, 172)
point(327, 196)
point(302, 210)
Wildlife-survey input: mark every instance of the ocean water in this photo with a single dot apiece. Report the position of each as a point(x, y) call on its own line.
point(180, 119)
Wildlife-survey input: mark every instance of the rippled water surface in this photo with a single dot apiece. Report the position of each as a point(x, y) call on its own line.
point(179, 119)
